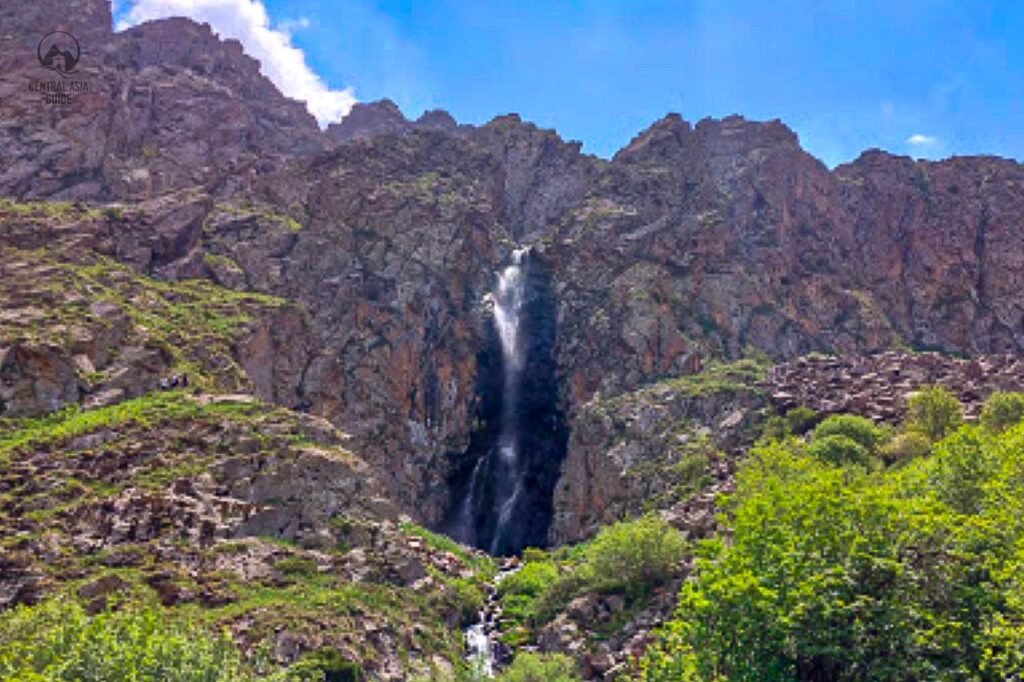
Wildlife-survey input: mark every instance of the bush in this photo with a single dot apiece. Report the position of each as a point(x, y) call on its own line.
point(848, 575)
point(529, 667)
point(329, 665)
point(859, 429)
point(935, 412)
point(634, 556)
point(800, 420)
point(961, 468)
point(796, 422)
point(296, 567)
point(906, 446)
point(629, 558)
point(1002, 410)
point(57, 642)
point(838, 450)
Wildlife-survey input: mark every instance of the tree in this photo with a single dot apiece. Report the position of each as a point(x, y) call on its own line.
point(935, 412)
point(839, 450)
point(859, 429)
point(1002, 410)
point(906, 446)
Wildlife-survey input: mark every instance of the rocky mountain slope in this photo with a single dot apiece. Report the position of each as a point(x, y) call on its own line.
point(183, 218)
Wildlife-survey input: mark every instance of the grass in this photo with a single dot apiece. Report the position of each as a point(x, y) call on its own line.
point(250, 210)
point(194, 323)
point(145, 411)
point(48, 209)
point(479, 562)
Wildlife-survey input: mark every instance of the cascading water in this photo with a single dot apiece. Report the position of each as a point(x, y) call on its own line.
point(504, 470)
point(507, 306)
point(502, 484)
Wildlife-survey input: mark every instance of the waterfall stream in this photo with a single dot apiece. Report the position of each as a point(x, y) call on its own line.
point(502, 484)
point(482, 649)
point(496, 481)
point(507, 306)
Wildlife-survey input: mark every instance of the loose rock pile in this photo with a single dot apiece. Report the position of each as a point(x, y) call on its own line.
point(877, 386)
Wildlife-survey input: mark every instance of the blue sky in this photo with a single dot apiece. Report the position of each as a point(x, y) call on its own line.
point(926, 78)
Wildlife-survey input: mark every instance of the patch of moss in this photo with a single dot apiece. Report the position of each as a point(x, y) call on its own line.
point(47, 209)
point(62, 426)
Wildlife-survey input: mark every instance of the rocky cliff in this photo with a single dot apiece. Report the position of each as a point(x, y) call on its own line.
point(182, 217)
point(692, 243)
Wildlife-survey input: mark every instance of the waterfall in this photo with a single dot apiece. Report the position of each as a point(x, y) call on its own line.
point(502, 486)
point(495, 484)
point(507, 309)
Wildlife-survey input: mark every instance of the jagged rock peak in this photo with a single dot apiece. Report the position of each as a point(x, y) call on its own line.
point(438, 119)
point(369, 119)
point(662, 139)
point(383, 117)
point(512, 126)
point(733, 135)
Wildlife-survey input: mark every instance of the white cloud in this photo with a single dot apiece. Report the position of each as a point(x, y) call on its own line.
point(290, 26)
point(247, 21)
point(919, 140)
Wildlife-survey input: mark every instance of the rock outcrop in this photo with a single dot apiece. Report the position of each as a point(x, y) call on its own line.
point(218, 501)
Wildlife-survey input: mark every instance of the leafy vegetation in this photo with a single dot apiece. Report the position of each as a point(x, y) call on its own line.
point(935, 412)
point(1002, 410)
point(630, 559)
point(57, 641)
point(143, 411)
point(839, 449)
point(858, 429)
point(840, 572)
point(529, 667)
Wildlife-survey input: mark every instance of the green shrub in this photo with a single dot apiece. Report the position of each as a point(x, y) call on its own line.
point(961, 468)
point(859, 429)
point(296, 567)
point(935, 412)
point(530, 667)
point(830, 573)
point(1002, 410)
point(906, 446)
point(800, 420)
point(838, 450)
point(56, 642)
point(634, 556)
point(468, 599)
point(532, 579)
point(329, 665)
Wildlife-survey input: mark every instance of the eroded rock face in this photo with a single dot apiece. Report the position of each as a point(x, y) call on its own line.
point(381, 235)
point(668, 446)
point(168, 105)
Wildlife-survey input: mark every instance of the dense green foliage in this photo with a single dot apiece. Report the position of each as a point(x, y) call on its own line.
point(858, 429)
point(58, 641)
point(631, 558)
point(528, 667)
point(838, 449)
point(1002, 410)
point(839, 572)
point(935, 412)
point(906, 446)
